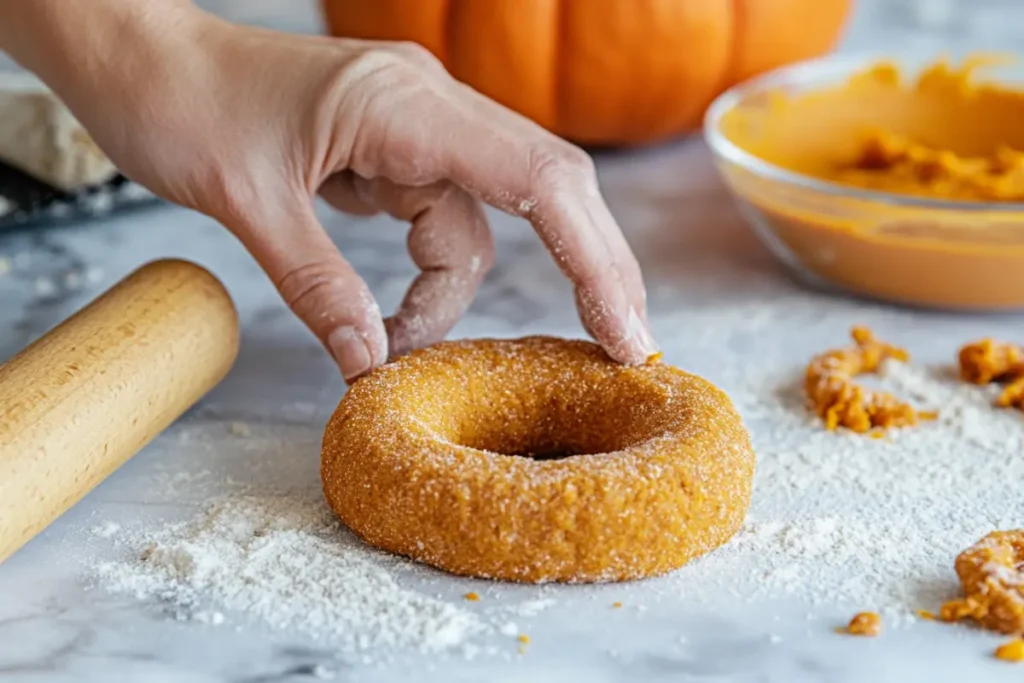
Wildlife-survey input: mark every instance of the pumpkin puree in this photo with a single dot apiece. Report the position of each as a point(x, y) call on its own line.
point(942, 136)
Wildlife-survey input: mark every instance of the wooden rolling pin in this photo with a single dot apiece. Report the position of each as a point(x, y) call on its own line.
point(80, 401)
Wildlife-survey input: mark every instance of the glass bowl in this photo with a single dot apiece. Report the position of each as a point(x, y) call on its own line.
point(918, 251)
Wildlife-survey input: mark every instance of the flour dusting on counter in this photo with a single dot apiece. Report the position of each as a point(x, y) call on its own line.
point(844, 519)
point(279, 558)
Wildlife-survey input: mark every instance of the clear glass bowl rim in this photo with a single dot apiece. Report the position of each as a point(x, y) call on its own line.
point(832, 69)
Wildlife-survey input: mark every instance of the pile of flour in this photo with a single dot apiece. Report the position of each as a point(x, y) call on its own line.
point(284, 560)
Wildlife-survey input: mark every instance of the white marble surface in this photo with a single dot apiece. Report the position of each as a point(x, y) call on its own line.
point(698, 257)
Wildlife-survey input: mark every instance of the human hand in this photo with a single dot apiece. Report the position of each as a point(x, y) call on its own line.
point(248, 126)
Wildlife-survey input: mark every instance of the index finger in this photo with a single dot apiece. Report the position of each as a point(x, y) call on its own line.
point(554, 186)
point(449, 132)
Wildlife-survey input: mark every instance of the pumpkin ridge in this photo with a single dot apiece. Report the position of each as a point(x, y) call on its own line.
point(447, 29)
point(557, 75)
point(739, 17)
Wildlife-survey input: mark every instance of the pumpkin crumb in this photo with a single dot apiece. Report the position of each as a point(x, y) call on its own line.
point(926, 614)
point(523, 638)
point(840, 402)
point(472, 597)
point(616, 605)
point(865, 624)
point(991, 577)
point(987, 361)
point(1012, 651)
point(655, 358)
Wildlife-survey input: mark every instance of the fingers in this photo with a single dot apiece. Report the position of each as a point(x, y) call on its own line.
point(624, 263)
point(453, 133)
point(565, 207)
point(449, 241)
point(323, 290)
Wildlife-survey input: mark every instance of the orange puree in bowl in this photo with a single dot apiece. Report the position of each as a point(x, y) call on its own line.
point(941, 135)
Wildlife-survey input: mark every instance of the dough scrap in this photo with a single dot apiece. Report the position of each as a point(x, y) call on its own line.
point(993, 583)
point(41, 137)
point(840, 402)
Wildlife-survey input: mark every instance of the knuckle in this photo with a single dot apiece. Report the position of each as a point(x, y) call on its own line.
point(558, 163)
point(306, 288)
point(589, 277)
point(417, 55)
point(375, 69)
point(396, 65)
point(578, 160)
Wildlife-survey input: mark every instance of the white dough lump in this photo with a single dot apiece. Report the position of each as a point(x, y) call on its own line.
point(40, 137)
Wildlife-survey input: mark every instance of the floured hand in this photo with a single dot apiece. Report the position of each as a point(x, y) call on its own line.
point(248, 126)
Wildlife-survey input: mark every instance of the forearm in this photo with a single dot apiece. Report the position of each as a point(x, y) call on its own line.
point(78, 49)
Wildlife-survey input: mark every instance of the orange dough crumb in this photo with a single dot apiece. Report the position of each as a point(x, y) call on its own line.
point(926, 615)
point(616, 605)
point(1012, 651)
point(987, 361)
point(993, 583)
point(655, 358)
point(472, 597)
point(840, 402)
point(524, 639)
point(865, 624)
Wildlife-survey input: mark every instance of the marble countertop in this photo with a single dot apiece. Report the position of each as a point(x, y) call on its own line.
point(698, 256)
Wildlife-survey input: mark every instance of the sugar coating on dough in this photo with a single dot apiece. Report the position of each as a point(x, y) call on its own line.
point(442, 456)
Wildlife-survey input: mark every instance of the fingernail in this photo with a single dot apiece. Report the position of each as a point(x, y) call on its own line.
point(639, 331)
point(350, 352)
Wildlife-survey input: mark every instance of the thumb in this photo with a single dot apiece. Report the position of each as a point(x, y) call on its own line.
point(322, 289)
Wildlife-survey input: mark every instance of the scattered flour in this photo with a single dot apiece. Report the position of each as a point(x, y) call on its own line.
point(106, 530)
point(284, 560)
point(44, 287)
point(839, 518)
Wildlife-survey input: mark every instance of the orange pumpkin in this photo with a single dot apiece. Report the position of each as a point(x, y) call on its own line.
point(602, 71)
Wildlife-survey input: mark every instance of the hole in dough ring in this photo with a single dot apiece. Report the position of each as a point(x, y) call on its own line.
point(431, 457)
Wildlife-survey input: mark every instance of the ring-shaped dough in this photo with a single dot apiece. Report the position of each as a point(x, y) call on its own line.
point(444, 456)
